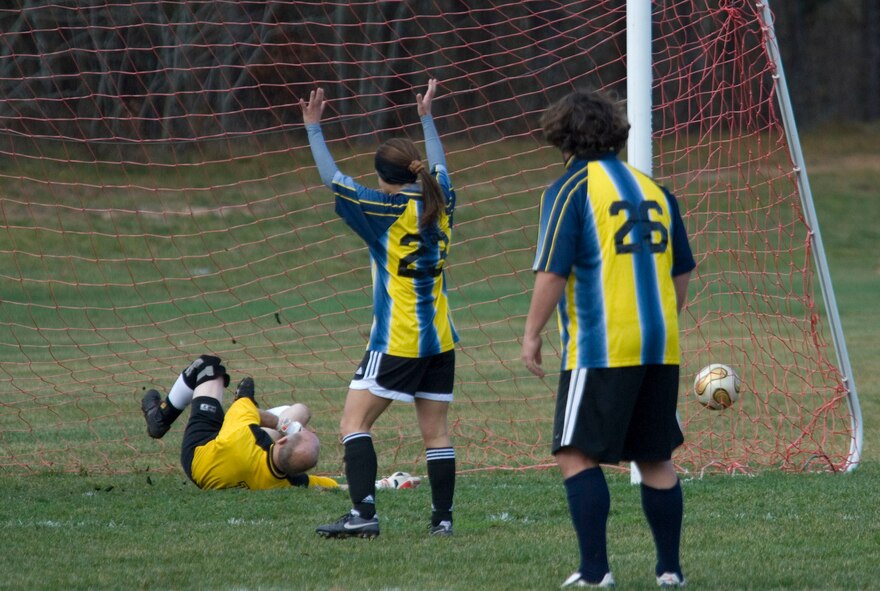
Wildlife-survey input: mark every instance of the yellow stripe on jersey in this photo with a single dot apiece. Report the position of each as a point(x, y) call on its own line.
point(618, 273)
point(418, 308)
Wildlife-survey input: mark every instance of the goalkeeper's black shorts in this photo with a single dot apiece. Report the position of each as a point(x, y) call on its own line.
point(205, 422)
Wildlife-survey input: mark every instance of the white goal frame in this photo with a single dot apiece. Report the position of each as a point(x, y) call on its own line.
point(639, 86)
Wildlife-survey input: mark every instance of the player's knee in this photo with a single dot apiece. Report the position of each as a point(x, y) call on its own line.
point(212, 388)
point(299, 412)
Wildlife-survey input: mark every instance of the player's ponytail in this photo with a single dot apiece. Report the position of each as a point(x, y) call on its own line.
point(398, 163)
point(432, 195)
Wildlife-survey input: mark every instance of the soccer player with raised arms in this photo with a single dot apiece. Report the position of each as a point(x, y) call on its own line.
point(613, 259)
point(406, 224)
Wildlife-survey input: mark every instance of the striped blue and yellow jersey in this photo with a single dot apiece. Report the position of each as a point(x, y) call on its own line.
point(618, 238)
point(411, 316)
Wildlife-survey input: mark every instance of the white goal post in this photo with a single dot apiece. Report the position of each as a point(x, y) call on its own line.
point(639, 85)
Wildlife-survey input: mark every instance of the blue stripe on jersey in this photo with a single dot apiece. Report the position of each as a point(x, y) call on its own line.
point(593, 327)
point(645, 272)
point(429, 343)
point(379, 336)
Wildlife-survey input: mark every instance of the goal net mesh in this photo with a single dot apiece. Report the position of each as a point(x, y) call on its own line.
point(158, 200)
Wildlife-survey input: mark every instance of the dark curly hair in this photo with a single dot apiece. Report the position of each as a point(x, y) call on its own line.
point(586, 123)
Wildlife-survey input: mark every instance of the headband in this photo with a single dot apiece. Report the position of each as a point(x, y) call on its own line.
point(393, 174)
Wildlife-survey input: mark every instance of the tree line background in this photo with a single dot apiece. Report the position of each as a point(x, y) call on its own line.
point(167, 70)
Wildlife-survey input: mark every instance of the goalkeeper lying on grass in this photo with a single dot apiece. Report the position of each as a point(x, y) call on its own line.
point(245, 447)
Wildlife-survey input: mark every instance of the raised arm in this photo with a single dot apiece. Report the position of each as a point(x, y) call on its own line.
point(433, 146)
point(312, 111)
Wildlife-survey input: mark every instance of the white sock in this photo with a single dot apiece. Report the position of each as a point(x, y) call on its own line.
point(180, 395)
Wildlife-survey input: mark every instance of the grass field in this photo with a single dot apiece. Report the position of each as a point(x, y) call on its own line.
point(774, 530)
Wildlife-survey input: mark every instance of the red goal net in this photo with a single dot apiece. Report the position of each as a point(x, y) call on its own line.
point(158, 201)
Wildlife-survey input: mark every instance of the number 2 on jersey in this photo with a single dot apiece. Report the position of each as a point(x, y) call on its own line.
point(407, 266)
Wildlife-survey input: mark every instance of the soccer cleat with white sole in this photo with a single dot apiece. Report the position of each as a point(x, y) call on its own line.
point(350, 525)
point(444, 528)
point(670, 581)
point(576, 580)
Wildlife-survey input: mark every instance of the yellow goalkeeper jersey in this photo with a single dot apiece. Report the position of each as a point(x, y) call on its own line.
point(241, 456)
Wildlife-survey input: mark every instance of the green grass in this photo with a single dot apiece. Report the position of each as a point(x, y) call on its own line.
point(68, 393)
point(773, 531)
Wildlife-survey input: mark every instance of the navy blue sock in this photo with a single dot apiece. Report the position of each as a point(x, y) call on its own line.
point(589, 503)
point(361, 466)
point(441, 473)
point(664, 510)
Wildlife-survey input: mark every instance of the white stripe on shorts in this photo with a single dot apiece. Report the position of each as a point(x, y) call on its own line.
point(372, 369)
point(573, 404)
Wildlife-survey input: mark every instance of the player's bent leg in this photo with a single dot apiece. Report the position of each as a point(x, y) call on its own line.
point(211, 388)
point(298, 412)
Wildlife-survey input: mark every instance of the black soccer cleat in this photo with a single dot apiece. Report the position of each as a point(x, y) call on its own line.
point(444, 528)
point(245, 389)
point(351, 525)
point(151, 405)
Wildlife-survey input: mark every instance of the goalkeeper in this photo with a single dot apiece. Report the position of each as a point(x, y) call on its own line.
point(245, 447)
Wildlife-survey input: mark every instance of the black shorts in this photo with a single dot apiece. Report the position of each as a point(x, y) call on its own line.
point(620, 413)
point(406, 378)
point(205, 421)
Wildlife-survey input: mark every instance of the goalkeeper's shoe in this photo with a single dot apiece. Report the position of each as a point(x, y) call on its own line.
point(576, 580)
point(670, 581)
point(351, 525)
point(444, 528)
point(158, 414)
point(245, 389)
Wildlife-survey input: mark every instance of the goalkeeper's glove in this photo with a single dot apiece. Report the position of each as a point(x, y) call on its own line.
point(204, 369)
point(288, 426)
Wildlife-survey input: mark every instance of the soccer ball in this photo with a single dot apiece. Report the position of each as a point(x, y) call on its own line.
point(717, 386)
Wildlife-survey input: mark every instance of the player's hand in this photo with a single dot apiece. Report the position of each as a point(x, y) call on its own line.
point(531, 354)
point(204, 369)
point(423, 101)
point(314, 108)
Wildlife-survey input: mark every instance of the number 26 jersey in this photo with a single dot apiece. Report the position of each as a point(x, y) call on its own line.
point(618, 238)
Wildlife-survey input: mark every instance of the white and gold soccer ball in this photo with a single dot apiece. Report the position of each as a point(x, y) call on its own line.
point(717, 386)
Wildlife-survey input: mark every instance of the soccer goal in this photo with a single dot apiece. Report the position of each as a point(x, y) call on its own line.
point(158, 201)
